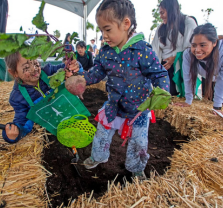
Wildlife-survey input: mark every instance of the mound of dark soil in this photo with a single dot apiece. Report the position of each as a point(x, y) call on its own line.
point(65, 181)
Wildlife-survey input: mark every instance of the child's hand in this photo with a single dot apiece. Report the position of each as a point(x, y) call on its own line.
point(12, 131)
point(73, 66)
point(169, 62)
point(68, 73)
point(182, 104)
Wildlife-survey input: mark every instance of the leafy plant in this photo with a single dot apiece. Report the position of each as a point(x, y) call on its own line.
point(38, 20)
point(97, 29)
point(39, 45)
point(74, 37)
point(207, 13)
point(89, 26)
point(56, 33)
point(156, 15)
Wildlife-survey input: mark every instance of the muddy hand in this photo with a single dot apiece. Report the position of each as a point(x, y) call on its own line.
point(12, 131)
point(73, 66)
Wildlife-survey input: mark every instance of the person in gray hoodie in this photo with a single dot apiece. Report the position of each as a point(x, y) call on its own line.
point(205, 57)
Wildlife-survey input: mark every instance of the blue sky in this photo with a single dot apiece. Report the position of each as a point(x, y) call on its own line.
point(21, 13)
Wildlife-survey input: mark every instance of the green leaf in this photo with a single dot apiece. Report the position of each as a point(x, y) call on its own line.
point(20, 29)
point(74, 56)
point(38, 47)
point(74, 37)
point(4, 36)
point(159, 99)
point(57, 78)
point(4, 53)
point(21, 38)
point(56, 33)
point(97, 29)
point(8, 45)
point(38, 20)
point(89, 26)
point(51, 50)
point(62, 54)
point(56, 90)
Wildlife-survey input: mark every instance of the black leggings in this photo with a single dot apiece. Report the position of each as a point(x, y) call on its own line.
point(203, 88)
point(173, 90)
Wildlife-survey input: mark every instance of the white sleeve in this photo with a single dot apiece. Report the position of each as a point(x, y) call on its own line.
point(155, 45)
point(190, 25)
point(187, 77)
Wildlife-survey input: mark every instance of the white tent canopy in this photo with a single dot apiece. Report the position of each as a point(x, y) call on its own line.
point(80, 7)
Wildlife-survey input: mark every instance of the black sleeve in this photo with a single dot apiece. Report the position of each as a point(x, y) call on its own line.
point(90, 63)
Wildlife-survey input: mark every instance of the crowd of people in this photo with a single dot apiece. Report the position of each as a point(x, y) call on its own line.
point(133, 67)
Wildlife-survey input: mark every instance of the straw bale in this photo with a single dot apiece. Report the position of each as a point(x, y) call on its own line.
point(195, 178)
point(177, 191)
point(203, 157)
point(194, 121)
point(101, 86)
point(22, 177)
point(5, 89)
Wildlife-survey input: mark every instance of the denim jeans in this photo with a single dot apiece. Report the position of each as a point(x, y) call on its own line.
point(136, 155)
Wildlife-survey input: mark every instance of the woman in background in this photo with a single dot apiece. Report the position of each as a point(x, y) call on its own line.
point(172, 36)
point(67, 40)
point(205, 57)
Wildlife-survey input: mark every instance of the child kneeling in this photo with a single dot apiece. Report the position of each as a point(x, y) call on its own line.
point(27, 74)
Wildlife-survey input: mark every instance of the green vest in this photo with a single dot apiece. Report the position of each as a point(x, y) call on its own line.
point(49, 112)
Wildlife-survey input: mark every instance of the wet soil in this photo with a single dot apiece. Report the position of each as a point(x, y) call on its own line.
point(67, 182)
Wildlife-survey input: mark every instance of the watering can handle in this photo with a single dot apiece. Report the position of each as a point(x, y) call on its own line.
point(2, 126)
point(80, 116)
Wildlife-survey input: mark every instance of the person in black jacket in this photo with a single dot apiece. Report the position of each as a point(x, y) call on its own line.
point(83, 56)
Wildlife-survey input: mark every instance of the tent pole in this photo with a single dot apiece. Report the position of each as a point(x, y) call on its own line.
point(85, 23)
point(3, 15)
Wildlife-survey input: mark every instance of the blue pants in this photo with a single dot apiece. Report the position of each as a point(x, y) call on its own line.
point(136, 155)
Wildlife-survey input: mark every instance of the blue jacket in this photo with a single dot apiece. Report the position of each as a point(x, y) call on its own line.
point(21, 107)
point(130, 72)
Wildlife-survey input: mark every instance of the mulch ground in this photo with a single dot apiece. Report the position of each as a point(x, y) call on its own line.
point(65, 181)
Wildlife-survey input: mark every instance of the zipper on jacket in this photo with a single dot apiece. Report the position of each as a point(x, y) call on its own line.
point(39, 90)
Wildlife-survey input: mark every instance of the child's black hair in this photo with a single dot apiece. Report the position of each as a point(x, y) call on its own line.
point(12, 61)
point(117, 10)
point(82, 44)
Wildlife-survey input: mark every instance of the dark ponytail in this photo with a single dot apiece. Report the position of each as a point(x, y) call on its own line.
point(117, 10)
point(66, 38)
point(209, 31)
